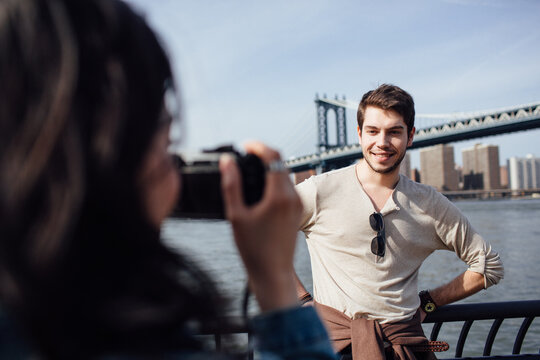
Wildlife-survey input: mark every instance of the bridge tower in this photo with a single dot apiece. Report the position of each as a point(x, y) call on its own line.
point(323, 106)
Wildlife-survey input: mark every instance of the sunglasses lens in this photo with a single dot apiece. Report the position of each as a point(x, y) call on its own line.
point(374, 246)
point(375, 221)
point(378, 246)
point(382, 245)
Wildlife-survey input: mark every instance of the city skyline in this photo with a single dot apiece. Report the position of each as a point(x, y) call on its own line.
point(481, 169)
point(458, 160)
point(524, 173)
point(250, 70)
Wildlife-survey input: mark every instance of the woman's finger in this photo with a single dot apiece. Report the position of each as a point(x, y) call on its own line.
point(277, 177)
point(231, 186)
point(265, 153)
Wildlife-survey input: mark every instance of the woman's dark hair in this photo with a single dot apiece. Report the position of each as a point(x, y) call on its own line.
point(82, 270)
point(388, 97)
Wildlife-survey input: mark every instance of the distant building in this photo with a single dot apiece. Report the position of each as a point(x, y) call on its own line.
point(459, 174)
point(504, 176)
point(524, 173)
point(515, 173)
point(405, 166)
point(303, 175)
point(481, 167)
point(437, 167)
point(415, 175)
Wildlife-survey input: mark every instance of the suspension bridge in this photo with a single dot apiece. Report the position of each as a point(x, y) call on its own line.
point(449, 128)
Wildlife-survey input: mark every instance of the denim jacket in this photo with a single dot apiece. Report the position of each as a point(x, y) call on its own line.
point(295, 333)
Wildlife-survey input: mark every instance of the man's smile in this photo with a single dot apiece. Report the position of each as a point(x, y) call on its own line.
point(382, 155)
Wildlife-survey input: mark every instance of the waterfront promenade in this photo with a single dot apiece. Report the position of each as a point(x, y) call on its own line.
point(510, 225)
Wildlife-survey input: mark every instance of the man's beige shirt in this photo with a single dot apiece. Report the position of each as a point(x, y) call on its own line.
point(418, 220)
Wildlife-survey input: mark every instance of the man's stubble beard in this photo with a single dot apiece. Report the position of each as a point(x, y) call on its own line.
point(391, 168)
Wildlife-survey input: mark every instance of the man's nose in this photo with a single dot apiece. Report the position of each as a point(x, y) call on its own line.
point(383, 139)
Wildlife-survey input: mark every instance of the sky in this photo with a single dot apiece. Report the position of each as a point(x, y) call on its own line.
point(250, 70)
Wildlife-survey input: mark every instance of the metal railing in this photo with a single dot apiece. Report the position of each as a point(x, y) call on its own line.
point(496, 311)
point(466, 313)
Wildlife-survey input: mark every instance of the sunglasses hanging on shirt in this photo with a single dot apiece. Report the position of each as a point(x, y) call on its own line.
point(378, 244)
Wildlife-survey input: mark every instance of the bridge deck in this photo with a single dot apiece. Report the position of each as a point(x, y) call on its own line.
point(505, 121)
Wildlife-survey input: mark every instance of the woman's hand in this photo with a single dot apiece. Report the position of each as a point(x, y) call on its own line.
point(265, 233)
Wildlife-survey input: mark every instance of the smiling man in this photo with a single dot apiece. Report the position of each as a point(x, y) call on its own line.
point(368, 231)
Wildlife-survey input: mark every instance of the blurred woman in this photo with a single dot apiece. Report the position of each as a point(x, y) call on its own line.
point(85, 183)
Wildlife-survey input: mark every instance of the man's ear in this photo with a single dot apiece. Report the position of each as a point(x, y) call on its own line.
point(359, 131)
point(411, 137)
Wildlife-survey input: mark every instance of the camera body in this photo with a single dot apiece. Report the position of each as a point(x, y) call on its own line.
point(201, 196)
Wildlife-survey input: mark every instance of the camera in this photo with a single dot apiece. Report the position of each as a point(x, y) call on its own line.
point(201, 196)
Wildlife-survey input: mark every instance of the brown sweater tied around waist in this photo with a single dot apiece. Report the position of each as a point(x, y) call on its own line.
point(367, 337)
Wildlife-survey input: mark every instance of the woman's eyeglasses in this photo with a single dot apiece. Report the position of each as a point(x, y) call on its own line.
point(378, 244)
point(170, 115)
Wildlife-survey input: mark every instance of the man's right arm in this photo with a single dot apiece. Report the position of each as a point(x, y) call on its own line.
point(306, 191)
point(303, 295)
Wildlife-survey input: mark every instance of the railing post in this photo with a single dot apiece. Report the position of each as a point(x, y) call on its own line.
point(462, 337)
point(521, 335)
point(435, 331)
point(250, 347)
point(491, 336)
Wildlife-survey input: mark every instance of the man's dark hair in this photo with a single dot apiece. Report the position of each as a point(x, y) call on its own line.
point(388, 97)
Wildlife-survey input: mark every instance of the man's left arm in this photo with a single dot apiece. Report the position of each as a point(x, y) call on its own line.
point(464, 285)
point(485, 265)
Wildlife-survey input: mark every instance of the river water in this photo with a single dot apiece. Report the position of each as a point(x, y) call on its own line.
point(511, 226)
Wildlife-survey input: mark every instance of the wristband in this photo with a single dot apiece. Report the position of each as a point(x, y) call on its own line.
point(426, 302)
